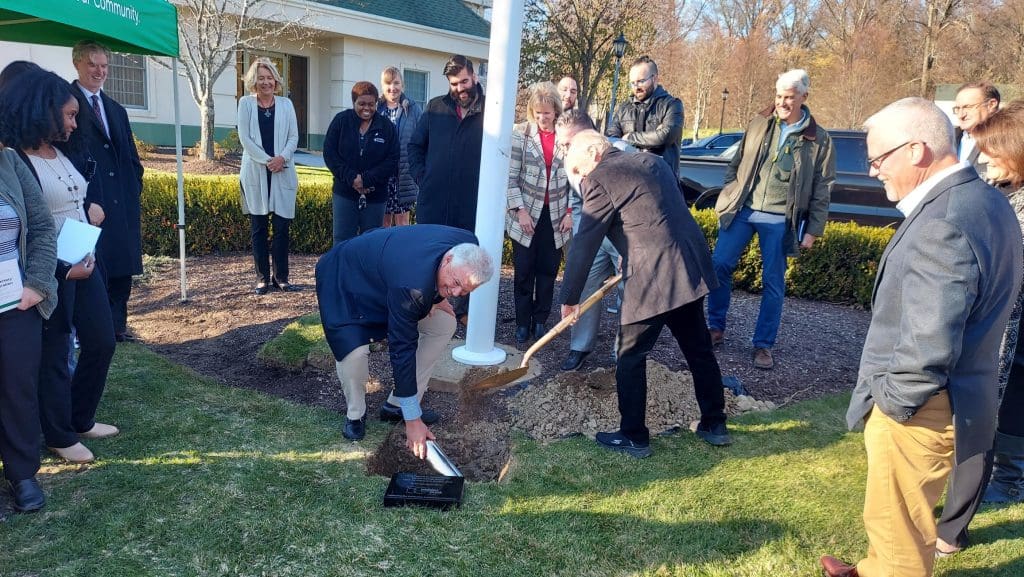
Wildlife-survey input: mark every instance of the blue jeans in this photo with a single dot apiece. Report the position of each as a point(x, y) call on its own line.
point(732, 242)
point(351, 220)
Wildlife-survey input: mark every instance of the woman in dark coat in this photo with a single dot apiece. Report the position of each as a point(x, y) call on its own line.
point(361, 150)
point(39, 111)
point(405, 113)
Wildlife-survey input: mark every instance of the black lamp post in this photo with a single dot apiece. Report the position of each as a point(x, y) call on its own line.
point(721, 118)
point(619, 48)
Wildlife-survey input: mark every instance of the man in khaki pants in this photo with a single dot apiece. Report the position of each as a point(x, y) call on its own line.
point(393, 283)
point(942, 298)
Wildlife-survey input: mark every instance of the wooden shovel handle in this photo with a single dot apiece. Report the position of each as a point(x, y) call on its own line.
point(564, 323)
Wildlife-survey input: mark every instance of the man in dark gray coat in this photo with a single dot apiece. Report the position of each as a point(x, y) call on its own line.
point(633, 199)
point(927, 383)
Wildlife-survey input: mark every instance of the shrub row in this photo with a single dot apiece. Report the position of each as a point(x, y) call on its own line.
point(839, 268)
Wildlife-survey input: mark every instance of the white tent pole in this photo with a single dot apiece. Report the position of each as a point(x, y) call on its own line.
point(181, 182)
point(499, 115)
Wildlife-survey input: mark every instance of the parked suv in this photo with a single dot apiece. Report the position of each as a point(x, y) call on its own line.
point(855, 195)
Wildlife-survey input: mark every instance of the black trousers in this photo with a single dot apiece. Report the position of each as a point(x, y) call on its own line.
point(67, 404)
point(278, 247)
point(967, 480)
point(535, 267)
point(119, 290)
point(635, 342)
point(20, 349)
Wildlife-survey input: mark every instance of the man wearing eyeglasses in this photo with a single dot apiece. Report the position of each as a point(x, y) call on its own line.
point(652, 120)
point(975, 102)
point(777, 186)
point(943, 293)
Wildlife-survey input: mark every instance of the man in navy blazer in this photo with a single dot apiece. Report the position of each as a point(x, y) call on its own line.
point(392, 283)
point(927, 387)
point(107, 133)
point(634, 200)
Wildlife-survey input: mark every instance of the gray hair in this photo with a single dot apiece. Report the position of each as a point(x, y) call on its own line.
point(591, 140)
point(916, 118)
point(254, 70)
point(796, 79)
point(475, 259)
point(86, 48)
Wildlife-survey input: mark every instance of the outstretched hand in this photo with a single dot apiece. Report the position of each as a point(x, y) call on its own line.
point(417, 434)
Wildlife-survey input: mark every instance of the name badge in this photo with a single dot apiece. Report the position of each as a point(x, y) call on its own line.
point(378, 140)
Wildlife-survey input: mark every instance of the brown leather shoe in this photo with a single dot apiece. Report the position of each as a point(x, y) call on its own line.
point(835, 568)
point(77, 453)
point(763, 359)
point(717, 336)
point(100, 431)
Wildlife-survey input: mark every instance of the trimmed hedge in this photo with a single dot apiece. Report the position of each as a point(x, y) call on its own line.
point(839, 268)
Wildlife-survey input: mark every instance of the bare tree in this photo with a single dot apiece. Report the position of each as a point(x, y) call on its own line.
point(211, 32)
point(937, 17)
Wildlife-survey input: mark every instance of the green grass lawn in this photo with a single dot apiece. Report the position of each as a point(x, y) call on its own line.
point(208, 480)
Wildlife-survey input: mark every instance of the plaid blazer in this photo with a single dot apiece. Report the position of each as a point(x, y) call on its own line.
point(528, 181)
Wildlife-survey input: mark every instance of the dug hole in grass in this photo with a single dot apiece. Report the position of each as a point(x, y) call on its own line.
point(210, 480)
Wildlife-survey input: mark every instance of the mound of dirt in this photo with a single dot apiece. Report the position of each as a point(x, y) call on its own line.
point(573, 403)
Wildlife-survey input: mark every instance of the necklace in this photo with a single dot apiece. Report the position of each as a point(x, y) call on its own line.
point(267, 110)
point(71, 184)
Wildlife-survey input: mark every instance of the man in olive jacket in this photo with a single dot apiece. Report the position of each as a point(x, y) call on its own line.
point(777, 186)
point(651, 121)
point(444, 152)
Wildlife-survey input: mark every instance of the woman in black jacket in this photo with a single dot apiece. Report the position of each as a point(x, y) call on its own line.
point(39, 113)
point(361, 150)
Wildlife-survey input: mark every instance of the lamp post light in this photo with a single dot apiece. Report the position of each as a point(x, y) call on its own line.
point(721, 118)
point(619, 48)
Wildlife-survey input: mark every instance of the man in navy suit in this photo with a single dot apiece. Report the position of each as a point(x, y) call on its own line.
point(634, 200)
point(108, 137)
point(392, 283)
point(926, 393)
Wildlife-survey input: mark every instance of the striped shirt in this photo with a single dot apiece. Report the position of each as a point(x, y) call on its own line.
point(10, 228)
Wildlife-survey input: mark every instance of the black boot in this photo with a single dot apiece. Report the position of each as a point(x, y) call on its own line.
point(28, 495)
point(1007, 482)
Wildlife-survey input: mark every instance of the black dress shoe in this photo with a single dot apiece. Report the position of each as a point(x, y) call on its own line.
point(522, 334)
point(28, 495)
point(262, 288)
point(285, 286)
point(393, 414)
point(125, 338)
point(354, 429)
point(539, 330)
point(574, 361)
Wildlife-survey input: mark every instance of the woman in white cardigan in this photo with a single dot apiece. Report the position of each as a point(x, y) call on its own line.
point(269, 133)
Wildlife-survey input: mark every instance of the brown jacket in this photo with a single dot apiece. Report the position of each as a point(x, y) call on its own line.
point(814, 172)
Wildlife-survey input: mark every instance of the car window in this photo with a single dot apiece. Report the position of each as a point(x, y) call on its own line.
point(851, 154)
point(726, 140)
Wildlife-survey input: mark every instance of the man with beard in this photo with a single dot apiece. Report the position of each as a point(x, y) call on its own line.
point(444, 153)
point(652, 120)
point(777, 186)
point(569, 91)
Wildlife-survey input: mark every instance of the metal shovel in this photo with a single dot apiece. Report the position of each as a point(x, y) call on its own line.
point(502, 379)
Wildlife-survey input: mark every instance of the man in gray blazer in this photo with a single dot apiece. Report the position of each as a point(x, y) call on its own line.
point(941, 300)
point(634, 200)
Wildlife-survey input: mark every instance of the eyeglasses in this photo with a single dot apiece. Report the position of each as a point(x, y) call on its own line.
point(635, 83)
point(877, 161)
point(966, 107)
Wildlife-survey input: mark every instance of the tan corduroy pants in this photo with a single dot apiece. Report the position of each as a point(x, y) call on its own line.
point(907, 468)
point(436, 331)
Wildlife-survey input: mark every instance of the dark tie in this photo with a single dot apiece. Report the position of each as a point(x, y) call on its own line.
point(99, 113)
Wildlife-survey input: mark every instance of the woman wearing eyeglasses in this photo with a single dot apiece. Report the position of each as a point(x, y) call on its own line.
point(361, 150)
point(538, 221)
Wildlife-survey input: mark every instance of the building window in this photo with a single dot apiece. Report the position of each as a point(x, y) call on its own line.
point(126, 80)
point(416, 82)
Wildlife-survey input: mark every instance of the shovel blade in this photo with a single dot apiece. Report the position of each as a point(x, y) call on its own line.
point(498, 380)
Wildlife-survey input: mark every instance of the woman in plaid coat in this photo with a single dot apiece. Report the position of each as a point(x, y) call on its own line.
point(539, 220)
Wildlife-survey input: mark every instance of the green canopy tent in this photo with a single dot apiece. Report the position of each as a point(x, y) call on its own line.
point(134, 26)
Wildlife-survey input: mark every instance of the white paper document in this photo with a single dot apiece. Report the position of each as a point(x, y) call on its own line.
point(10, 285)
point(76, 239)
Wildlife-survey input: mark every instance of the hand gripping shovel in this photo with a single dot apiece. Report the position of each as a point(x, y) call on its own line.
point(502, 379)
